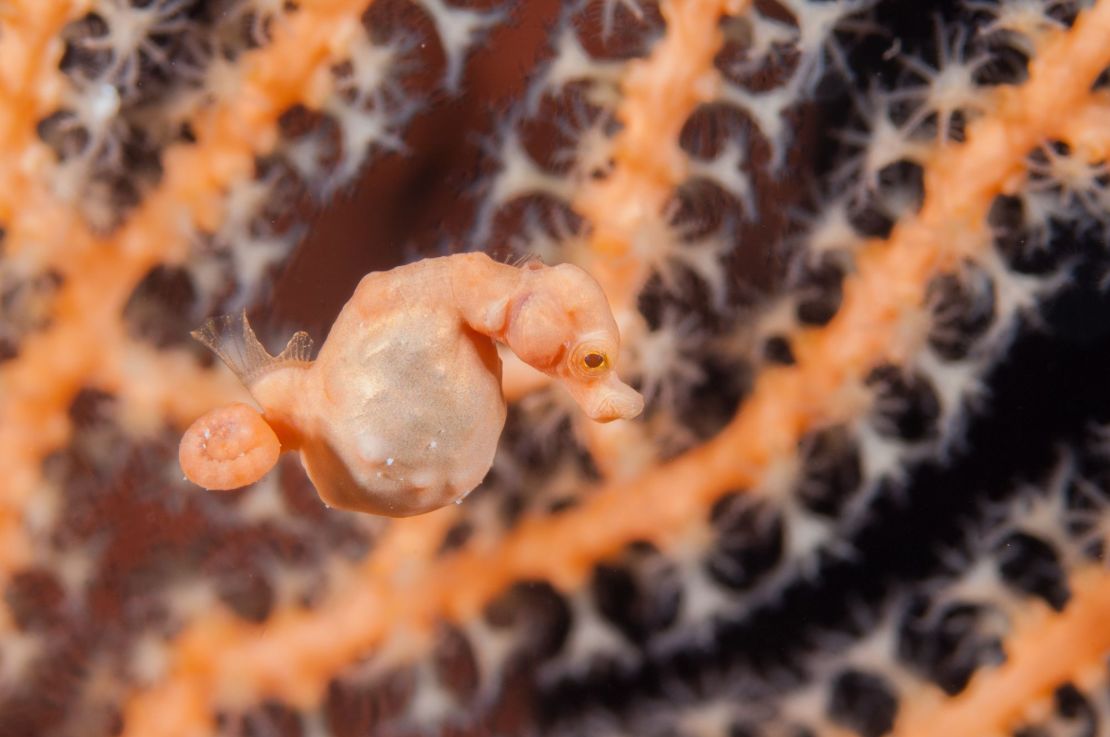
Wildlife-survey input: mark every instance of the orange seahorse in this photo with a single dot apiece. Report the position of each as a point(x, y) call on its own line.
point(401, 411)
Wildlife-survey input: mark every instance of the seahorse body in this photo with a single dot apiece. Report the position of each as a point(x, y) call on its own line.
point(401, 411)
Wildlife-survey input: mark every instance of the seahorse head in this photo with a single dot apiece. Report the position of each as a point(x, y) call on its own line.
point(561, 324)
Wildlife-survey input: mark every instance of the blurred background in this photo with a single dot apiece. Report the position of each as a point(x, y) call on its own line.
point(821, 525)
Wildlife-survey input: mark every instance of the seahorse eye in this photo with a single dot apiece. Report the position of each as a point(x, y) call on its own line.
point(589, 360)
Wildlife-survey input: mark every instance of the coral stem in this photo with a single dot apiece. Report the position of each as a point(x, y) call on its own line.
point(56, 363)
point(1044, 651)
point(784, 404)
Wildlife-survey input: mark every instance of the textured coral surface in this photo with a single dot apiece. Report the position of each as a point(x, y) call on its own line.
point(858, 252)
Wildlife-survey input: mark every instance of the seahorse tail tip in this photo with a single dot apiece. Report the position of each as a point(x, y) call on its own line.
point(228, 448)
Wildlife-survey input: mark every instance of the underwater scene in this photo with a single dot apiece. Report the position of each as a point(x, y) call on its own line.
point(725, 368)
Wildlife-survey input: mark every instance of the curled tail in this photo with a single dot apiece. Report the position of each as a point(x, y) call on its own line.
point(228, 448)
point(232, 339)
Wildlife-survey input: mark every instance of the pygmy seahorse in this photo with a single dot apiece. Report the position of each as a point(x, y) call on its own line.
point(401, 411)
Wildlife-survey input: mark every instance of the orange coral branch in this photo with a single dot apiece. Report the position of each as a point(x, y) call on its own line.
point(163, 384)
point(292, 658)
point(658, 95)
point(1087, 132)
point(30, 85)
point(54, 364)
point(1045, 650)
point(221, 657)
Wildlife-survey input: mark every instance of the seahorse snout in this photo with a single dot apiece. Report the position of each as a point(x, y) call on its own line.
point(607, 400)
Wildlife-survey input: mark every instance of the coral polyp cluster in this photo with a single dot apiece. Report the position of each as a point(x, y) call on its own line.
point(857, 251)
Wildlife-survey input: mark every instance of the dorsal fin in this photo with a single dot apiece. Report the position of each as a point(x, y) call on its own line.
point(297, 350)
point(232, 339)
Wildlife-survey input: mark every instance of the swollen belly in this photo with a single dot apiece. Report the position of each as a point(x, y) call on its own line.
point(408, 442)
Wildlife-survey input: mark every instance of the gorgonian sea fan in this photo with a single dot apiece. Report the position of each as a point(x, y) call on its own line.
point(857, 252)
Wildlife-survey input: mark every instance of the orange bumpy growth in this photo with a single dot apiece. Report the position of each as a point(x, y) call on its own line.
point(658, 95)
point(891, 279)
point(219, 661)
point(86, 345)
point(1046, 650)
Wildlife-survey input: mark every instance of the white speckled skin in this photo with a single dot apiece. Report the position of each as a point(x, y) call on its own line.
point(401, 411)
